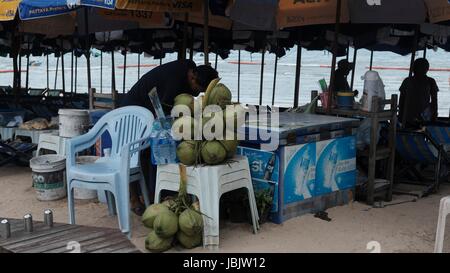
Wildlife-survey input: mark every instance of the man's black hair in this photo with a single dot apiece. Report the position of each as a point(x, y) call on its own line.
point(205, 74)
point(421, 66)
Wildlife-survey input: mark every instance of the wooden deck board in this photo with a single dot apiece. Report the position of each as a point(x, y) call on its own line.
point(55, 240)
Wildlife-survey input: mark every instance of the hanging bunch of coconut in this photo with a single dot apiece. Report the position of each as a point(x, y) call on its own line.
point(174, 220)
point(208, 136)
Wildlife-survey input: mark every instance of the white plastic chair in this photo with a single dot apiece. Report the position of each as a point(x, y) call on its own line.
point(130, 129)
point(444, 210)
point(52, 142)
point(208, 183)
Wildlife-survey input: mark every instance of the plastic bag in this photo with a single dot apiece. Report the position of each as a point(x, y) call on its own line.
point(363, 134)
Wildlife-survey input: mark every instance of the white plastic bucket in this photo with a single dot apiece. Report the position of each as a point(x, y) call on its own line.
point(49, 177)
point(73, 122)
point(85, 194)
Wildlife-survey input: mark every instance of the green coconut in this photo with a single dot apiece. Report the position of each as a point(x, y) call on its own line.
point(189, 241)
point(186, 152)
point(150, 214)
point(166, 224)
point(155, 243)
point(220, 95)
point(230, 146)
point(190, 222)
point(185, 99)
point(170, 203)
point(213, 152)
point(181, 127)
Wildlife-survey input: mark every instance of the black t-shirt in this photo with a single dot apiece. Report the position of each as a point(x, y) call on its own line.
point(340, 81)
point(170, 80)
point(416, 95)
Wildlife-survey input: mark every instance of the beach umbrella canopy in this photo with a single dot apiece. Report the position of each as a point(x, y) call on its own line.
point(32, 9)
point(160, 5)
point(254, 14)
point(438, 10)
point(297, 13)
point(387, 12)
point(8, 9)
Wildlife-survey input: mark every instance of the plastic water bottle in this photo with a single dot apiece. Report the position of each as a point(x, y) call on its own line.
point(302, 177)
point(330, 168)
point(163, 146)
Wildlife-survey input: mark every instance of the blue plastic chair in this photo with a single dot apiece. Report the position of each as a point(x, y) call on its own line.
point(129, 128)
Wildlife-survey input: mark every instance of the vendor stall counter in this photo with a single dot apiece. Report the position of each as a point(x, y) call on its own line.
point(312, 169)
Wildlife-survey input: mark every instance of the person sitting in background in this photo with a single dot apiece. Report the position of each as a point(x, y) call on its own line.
point(340, 80)
point(418, 97)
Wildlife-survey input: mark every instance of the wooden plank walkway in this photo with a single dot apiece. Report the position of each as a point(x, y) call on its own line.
point(64, 238)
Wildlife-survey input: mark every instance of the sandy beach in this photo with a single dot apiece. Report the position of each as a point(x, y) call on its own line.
point(408, 227)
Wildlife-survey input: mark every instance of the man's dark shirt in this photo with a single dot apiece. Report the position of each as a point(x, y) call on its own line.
point(340, 81)
point(416, 95)
point(170, 80)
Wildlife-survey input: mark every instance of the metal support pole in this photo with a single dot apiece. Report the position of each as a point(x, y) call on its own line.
point(274, 80)
point(63, 73)
point(298, 68)
point(261, 82)
point(425, 52)
point(206, 31)
point(335, 49)
point(239, 75)
point(28, 223)
point(124, 71)
point(101, 72)
point(191, 46)
point(414, 50)
point(71, 72)
point(371, 60)
point(28, 70)
point(355, 54)
point(48, 74)
point(185, 37)
point(48, 218)
point(56, 72)
point(88, 48)
point(76, 74)
point(215, 65)
point(139, 66)
point(113, 74)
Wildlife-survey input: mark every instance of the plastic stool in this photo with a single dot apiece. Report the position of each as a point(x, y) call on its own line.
point(444, 210)
point(33, 134)
point(7, 133)
point(52, 142)
point(208, 183)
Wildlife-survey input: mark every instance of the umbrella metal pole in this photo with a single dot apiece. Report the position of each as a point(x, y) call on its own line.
point(206, 31)
point(76, 74)
point(185, 37)
point(101, 72)
point(239, 75)
point(414, 50)
point(335, 48)
point(274, 80)
point(28, 70)
point(113, 74)
point(139, 66)
point(297, 75)
point(88, 48)
point(261, 81)
point(71, 72)
point(355, 54)
point(215, 65)
point(348, 51)
point(425, 52)
point(124, 71)
point(160, 61)
point(48, 74)
point(371, 60)
point(191, 51)
point(56, 73)
point(63, 73)
point(20, 72)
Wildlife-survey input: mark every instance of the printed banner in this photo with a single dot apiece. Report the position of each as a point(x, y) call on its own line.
point(8, 9)
point(161, 5)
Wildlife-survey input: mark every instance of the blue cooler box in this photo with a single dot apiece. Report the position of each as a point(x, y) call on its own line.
point(315, 165)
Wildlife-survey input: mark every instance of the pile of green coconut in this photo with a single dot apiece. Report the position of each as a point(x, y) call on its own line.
point(174, 221)
point(195, 148)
